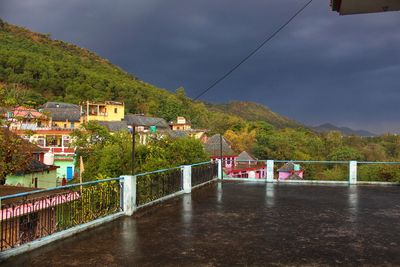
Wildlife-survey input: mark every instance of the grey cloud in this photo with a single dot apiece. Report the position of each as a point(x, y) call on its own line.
point(322, 67)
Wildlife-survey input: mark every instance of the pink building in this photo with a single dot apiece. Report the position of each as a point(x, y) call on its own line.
point(290, 171)
point(247, 166)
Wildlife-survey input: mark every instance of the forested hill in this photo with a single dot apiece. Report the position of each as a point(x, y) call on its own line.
point(35, 69)
point(255, 112)
point(346, 131)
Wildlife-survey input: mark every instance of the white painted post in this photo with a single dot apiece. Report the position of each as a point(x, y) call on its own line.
point(353, 172)
point(129, 194)
point(187, 179)
point(219, 161)
point(270, 171)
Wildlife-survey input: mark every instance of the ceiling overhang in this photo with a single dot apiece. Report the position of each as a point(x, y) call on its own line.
point(348, 7)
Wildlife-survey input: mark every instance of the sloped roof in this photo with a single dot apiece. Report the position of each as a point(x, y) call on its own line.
point(140, 120)
point(26, 112)
point(178, 134)
point(59, 105)
point(36, 166)
point(213, 146)
point(114, 126)
point(245, 156)
point(59, 111)
point(288, 167)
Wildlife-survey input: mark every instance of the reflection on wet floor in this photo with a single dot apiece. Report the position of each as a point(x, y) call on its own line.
point(270, 195)
point(244, 224)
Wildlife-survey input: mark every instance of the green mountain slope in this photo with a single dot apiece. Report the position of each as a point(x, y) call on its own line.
point(35, 69)
point(255, 112)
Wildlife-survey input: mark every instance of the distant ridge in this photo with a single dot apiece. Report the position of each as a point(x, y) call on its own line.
point(328, 127)
point(255, 112)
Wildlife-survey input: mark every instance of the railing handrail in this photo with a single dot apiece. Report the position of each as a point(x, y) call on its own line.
point(179, 167)
point(58, 188)
point(201, 163)
point(378, 162)
point(324, 161)
point(158, 171)
point(91, 182)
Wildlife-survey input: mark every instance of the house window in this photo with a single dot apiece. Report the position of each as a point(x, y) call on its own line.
point(65, 125)
point(115, 110)
point(72, 125)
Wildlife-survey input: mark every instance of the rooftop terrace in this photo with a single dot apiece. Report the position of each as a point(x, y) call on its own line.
point(245, 224)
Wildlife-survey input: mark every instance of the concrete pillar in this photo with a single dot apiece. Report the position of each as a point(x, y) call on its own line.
point(220, 172)
point(270, 171)
point(353, 172)
point(129, 194)
point(187, 178)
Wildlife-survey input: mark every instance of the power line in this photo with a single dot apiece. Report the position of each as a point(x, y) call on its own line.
point(269, 38)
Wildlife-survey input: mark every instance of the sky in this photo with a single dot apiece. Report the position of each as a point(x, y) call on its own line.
point(321, 68)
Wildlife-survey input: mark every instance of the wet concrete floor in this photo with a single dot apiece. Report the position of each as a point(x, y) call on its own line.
point(244, 224)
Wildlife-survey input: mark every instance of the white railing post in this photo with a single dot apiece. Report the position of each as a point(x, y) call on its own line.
point(270, 171)
point(187, 178)
point(129, 194)
point(353, 172)
point(219, 161)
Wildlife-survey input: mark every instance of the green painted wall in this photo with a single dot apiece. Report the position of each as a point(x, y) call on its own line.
point(63, 162)
point(46, 179)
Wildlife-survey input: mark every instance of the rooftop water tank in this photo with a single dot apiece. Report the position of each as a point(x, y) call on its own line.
point(48, 158)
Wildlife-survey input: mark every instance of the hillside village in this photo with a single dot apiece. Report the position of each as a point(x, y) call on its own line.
point(49, 129)
point(175, 181)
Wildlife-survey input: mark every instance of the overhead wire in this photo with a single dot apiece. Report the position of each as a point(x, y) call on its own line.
point(254, 51)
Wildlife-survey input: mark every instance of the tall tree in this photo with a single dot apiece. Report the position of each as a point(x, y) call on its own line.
point(15, 154)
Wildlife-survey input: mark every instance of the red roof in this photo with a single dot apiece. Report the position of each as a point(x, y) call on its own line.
point(26, 113)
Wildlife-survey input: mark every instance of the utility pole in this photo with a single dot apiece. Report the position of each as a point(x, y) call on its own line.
point(133, 148)
point(220, 154)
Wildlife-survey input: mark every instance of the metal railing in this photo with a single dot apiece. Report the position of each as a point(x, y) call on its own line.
point(29, 216)
point(314, 170)
point(311, 170)
point(204, 172)
point(368, 171)
point(154, 185)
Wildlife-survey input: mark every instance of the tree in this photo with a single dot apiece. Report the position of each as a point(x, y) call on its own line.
point(113, 157)
point(344, 153)
point(15, 154)
point(242, 140)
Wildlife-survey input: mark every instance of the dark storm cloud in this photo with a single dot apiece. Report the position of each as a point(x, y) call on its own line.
point(323, 67)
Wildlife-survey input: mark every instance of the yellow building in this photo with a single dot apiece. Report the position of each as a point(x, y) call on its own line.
point(105, 111)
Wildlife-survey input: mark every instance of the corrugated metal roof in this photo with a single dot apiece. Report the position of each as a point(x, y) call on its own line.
point(213, 146)
point(114, 126)
point(139, 120)
point(59, 111)
point(245, 156)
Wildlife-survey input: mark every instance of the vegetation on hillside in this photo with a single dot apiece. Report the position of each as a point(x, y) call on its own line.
point(250, 111)
point(35, 69)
